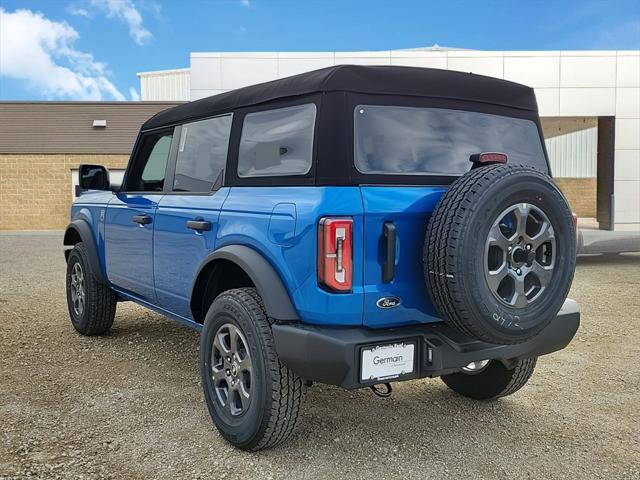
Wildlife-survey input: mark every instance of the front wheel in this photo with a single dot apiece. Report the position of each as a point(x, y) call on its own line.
point(92, 305)
point(490, 379)
point(254, 400)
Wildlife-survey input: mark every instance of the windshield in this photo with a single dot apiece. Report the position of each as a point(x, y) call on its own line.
point(435, 141)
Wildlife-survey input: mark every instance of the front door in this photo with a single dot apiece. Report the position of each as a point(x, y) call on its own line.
point(130, 218)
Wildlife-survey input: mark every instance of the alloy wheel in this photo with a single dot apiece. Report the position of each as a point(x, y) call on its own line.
point(231, 370)
point(77, 289)
point(520, 255)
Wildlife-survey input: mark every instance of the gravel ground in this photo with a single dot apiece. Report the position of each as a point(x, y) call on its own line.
point(129, 405)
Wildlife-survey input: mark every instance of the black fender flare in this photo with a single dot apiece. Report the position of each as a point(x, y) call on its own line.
point(82, 228)
point(267, 281)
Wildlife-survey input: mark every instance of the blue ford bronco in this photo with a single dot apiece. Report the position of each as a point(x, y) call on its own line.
point(353, 226)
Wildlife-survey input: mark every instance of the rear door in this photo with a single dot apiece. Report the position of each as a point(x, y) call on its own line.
point(187, 216)
point(130, 217)
point(402, 149)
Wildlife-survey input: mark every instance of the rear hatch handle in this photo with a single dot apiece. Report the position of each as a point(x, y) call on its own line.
point(389, 265)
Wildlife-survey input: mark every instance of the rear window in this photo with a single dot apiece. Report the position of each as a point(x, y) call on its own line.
point(277, 142)
point(434, 141)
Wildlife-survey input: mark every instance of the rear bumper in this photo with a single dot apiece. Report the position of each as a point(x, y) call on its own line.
point(332, 354)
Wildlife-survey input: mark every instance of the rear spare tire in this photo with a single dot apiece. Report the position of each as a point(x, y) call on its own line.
point(491, 381)
point(499, 253)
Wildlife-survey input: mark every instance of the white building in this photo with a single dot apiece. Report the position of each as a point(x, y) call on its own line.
point(589, 101)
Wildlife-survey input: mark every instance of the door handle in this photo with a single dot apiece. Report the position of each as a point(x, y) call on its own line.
point(199, 225)
point(389, 266)
point(141, 219)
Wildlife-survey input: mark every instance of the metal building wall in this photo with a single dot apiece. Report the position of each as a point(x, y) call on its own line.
point(166, 85)
point(574, 154)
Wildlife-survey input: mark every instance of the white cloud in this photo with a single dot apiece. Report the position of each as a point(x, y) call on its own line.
point(126, 11)
point(133, 93)
point(78, 12)
point(246, 3)
point(41, 52)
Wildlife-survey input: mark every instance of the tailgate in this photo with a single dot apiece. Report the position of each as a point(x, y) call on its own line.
point(406, 210)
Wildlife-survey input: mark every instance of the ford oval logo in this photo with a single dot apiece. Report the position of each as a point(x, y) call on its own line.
point(388, 302)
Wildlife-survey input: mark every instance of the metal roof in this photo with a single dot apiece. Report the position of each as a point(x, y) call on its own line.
point(67, 127)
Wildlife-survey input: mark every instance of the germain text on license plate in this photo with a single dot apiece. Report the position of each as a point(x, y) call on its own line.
point(384, 362)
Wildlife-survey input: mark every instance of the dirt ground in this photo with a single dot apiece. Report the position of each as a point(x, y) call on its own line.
point(129, 405)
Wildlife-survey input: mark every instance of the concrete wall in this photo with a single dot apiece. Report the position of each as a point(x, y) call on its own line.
point(35, 190)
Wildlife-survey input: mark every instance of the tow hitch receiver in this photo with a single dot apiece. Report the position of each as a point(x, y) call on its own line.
point(382, 393)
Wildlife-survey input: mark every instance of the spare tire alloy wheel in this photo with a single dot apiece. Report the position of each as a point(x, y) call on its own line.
point(499, 253)
point(519, 255)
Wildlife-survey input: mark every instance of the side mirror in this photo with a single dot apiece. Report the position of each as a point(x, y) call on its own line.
point(93, 177)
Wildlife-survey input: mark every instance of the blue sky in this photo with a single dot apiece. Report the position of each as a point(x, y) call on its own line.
point(92, 49)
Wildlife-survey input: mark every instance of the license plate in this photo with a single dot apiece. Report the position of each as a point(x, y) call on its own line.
point(384, 362)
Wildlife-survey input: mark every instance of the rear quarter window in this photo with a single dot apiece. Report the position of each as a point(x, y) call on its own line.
point(398, 140)
point(277, 142)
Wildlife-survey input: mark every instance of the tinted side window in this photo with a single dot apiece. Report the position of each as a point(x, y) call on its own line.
point(202, 154)
point(277, 142)
point(150, 164)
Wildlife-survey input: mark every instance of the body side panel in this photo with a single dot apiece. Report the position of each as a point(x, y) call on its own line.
point(173, 316)
point(245, 220)
point(90, 207)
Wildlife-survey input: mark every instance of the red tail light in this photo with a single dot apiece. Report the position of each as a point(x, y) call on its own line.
point(335, 254)
point(488, 158)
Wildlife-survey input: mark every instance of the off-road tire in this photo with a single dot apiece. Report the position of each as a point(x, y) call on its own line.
point(454, 252)
point(100, 300)
point(277, 393)
point(494, 381)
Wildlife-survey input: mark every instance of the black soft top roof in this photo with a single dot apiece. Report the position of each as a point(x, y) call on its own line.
point(382, 80)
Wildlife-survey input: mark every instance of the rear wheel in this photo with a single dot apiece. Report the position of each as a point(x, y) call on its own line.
point(254, 400)
point(92, 304)
point(488, 380)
